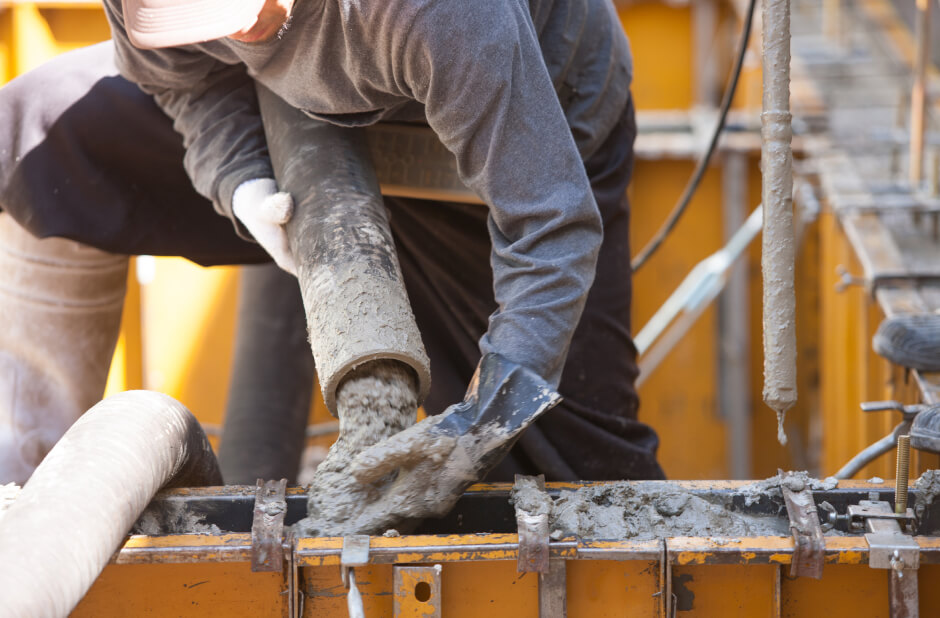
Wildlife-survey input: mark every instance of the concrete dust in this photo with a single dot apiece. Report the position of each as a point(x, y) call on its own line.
point(797, 481)
point(652, 510)
point(169, 517)
point(374, 402)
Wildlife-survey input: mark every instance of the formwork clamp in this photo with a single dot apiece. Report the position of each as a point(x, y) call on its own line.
point(355, 554)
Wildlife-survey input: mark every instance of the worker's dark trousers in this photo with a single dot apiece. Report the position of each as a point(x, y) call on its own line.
point(87, 156)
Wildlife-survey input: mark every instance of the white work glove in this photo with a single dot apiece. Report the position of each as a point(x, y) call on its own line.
point(264, 210)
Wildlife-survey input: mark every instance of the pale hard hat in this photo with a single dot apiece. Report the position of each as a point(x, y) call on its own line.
point(168, 23)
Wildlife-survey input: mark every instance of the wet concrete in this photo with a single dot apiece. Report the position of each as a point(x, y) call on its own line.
point(653, 510)
point(375, 402)
point(162, 518)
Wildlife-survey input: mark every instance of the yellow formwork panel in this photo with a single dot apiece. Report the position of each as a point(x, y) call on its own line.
point(661, 40)
point(33, 32)
point(611, 589)
point(203, 589)
point(850, 372)
point(493, 588)
point(731, 591)
point(846, 590)
point(680, 398)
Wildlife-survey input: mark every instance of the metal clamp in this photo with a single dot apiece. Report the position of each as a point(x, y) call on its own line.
point(267, 527)
point(881, 278)
point(809, 551)
point(890, 548)
point(533, 536)
point(355, 554)
point(908, 411)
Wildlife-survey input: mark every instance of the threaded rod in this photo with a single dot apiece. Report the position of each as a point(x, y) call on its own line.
point(903, 474)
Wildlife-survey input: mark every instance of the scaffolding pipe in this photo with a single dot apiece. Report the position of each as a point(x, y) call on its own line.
point(919, 92)
point(82, 500)
point(778, 241)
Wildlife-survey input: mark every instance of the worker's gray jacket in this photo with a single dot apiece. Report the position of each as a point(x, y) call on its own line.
point(475, 71)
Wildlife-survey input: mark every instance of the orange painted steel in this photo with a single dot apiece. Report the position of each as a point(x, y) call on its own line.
point(704, 576)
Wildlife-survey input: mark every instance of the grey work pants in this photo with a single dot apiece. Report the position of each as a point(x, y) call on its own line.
point(85, 155)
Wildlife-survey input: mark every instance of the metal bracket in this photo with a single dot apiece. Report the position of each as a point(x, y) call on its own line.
point(809, 551)
point(355, 554)
point(890, 548)
point(417, 591)
point(533, 537)
point(553, 593)
point(267, 527)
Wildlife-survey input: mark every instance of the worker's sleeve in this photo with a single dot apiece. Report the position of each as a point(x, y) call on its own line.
point(489, 98)
point(213, 106)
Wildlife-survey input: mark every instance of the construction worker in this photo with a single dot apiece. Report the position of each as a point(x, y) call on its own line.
point(531, 97)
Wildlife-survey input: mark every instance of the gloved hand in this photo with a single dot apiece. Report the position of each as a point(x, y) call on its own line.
point(264, 211)
point(438, 458)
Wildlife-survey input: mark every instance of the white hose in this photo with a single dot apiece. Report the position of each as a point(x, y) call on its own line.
point(82, 500)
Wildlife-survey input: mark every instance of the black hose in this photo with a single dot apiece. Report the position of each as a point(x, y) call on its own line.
point(644, 255)
point(347, 265)
point(272, 380)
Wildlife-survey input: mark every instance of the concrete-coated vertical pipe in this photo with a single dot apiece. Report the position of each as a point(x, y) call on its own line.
point(84, 497)
point(347, 266)
point(779, 246)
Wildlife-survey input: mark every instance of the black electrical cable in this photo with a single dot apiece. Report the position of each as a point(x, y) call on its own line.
point(696, 178)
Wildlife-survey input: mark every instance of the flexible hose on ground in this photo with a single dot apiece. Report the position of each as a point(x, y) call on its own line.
point(81, 501)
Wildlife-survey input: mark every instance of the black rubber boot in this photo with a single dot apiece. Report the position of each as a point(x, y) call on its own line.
point(910, 340)
point(925, 431)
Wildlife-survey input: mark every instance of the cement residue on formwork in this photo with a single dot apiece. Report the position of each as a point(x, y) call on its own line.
point(797, 481)
point(8, 494)
point(529, 498)
point(172, 517)
point(652, 510)
point(928, 487)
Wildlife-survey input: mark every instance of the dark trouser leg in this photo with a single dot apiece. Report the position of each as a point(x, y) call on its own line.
point(271, 383)
point(594, 433)
point(86, 155)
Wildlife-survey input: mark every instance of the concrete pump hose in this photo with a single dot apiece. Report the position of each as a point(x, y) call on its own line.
point(347, 266)
point(82, 500)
